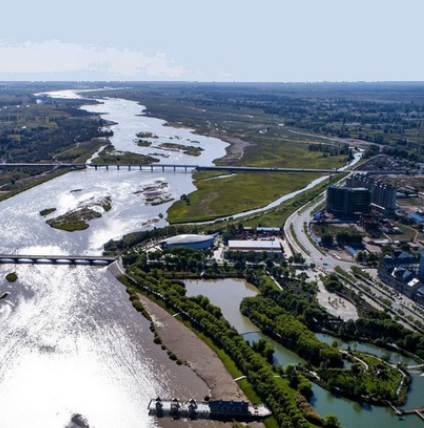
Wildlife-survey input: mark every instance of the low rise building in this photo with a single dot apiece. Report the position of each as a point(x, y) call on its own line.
point(270, 247)
point(403, 272)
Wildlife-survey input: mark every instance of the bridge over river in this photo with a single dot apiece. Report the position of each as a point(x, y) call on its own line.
point(53, 259)
point(164, 167)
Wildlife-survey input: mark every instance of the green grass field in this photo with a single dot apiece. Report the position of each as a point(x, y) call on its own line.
point(274, 152)
point(233, 194)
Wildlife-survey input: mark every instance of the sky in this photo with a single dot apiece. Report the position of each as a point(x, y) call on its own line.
point(212, 40)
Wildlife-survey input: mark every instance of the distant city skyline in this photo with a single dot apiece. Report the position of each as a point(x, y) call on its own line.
point(242, 41)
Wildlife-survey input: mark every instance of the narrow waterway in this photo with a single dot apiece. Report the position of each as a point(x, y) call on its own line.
point(357, 157)
point(228, 295)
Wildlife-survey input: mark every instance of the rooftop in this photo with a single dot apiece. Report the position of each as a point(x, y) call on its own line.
point(188, 239)
point(255, 245)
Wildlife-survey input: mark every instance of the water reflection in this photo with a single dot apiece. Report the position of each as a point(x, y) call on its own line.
point(227, 294)
point(72, 343)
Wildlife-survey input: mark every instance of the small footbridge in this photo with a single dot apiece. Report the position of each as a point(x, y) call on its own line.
point(415, 367)
point(55, 259)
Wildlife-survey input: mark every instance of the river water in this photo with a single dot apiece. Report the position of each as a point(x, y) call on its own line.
point(72, 343)
point(228, 294)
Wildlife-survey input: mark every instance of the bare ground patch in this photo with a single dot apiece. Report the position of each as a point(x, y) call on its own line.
point(198, 356)
point(235, 151)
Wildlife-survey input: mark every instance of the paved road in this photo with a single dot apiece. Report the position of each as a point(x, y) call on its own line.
point(327, 263)
point(298, 219)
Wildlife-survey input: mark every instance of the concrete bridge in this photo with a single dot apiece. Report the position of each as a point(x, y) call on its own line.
point(163, 167)
point(53, 259)
point(415, 367)
point(187, 167)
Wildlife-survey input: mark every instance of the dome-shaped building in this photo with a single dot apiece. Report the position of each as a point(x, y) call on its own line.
point(197, 242)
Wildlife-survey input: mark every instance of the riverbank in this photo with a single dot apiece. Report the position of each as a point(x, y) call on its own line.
point(194, 352)
point(76, 155)
point(233, 194)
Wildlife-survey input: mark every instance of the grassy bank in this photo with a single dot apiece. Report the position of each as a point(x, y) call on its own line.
point(280, 396)
point(276, 217)
point(33, 183)
point(233, 193)
point(111, 156)
point(82, 152)
point(78, 155)
point(228, 363)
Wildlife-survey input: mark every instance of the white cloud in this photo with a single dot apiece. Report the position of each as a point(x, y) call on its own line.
point(54, 56)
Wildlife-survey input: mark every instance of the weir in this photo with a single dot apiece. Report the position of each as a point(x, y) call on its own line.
point(218, 409)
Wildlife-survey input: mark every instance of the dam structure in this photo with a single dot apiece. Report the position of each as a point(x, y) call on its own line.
point(217, 409)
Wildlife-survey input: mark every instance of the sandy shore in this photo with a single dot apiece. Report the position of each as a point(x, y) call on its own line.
point(198, 356)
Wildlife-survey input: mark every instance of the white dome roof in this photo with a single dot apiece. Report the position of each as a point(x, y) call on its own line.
point(188, 239)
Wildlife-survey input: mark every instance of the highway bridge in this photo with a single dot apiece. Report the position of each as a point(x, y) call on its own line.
point(175, 167)
point(53, 259)
point(163, 167)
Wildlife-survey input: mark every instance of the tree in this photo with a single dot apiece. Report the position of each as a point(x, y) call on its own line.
point(331, 421)
point(361, 257)
point(327, 240)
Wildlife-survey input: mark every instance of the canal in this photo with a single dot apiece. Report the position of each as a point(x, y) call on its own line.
point(228, 294)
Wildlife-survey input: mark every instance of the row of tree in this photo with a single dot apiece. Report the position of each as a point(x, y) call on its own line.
point(289, 331)
point(259, 372)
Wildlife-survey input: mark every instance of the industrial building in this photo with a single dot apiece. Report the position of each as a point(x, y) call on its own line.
point(197, 242)
point(383, 196)
point(270, 247)
point(346, 201)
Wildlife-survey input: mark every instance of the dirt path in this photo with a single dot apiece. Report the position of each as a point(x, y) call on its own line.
point(199, 357)
point(235, 150)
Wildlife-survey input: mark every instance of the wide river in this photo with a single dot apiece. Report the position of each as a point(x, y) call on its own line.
point(71, 341)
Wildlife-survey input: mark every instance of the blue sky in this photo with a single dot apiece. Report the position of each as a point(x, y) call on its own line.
point(233, 40)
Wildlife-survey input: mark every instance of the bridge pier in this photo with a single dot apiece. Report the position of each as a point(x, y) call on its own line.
point(163, 168)
point(107, 167)
point(117, 167)
point(95, 167)
point(175, 168)
point(151, 168)
point(129, 167)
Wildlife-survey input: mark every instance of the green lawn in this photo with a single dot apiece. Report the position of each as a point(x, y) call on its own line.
point(233, 194)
